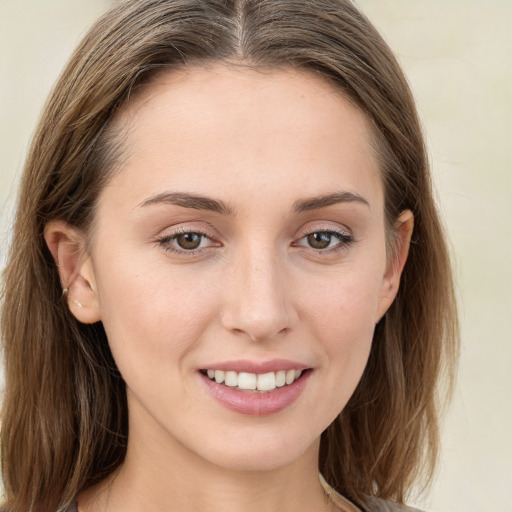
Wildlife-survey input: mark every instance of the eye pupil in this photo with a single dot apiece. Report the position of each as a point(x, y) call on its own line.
point(320, 240)
point(189, 241)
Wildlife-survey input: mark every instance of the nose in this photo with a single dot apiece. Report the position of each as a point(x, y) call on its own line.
point(258, 295)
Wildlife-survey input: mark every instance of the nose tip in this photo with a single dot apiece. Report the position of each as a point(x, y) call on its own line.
point(259, 305)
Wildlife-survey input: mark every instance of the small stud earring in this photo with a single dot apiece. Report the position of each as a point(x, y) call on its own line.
point(79, 304)
point(65, 291)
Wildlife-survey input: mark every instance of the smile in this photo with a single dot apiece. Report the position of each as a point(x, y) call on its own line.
point(262, 382)
point(258, 392)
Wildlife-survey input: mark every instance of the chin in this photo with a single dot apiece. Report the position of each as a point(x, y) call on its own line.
point(261, 453)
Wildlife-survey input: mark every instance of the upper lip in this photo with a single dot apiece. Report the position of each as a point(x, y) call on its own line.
point(259, 367)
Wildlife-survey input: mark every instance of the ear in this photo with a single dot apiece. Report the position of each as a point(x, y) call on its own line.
point(76, 271)
point(402, 233)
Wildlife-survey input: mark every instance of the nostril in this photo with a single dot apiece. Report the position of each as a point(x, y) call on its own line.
point(260, 336)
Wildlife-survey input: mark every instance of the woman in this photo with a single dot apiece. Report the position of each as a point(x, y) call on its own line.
point(228, 276)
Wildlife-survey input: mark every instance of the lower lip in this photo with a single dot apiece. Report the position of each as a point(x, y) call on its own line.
point(256, 404)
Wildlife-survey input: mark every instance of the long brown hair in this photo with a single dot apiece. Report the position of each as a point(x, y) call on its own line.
point(64, 418)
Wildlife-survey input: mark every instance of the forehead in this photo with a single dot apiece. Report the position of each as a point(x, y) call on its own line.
point(230, 89)
point(226, 126)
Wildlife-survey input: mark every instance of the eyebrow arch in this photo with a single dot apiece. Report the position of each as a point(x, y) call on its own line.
point(314, 203)
point(192, 201)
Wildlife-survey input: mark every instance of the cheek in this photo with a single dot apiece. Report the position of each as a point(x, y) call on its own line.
point(152, 316)
point(348, 299)
point(343, 316)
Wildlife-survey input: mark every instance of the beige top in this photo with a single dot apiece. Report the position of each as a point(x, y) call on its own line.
point(374, 504)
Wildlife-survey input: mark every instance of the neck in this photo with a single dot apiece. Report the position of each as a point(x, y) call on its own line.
point(162, 476)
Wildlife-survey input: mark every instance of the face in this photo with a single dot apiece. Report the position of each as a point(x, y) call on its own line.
point(241, 243)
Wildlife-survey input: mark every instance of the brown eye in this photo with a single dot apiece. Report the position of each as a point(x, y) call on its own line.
point(319, 240)
point(189, 241)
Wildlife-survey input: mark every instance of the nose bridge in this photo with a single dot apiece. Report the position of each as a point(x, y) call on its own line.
point(258, 301)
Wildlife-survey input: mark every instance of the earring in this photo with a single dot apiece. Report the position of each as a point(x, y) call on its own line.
point(65, 292)
point(79, 304)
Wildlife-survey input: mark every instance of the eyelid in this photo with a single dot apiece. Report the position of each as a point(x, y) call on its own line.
point(344, 235)
point(169, 233)
point(324, 227)
point(165, 238)
point(327, 229)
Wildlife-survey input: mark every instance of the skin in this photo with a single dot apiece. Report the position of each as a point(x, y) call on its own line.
point(255, 289)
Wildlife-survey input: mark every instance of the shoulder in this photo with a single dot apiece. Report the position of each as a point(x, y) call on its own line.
point(72, 508)
point(373, 504)
point(378, 505)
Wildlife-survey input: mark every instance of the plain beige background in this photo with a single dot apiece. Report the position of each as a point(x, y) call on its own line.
point(458, 57)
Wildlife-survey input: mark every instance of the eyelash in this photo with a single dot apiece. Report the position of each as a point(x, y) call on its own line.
point(166, 240)
point(345, 240)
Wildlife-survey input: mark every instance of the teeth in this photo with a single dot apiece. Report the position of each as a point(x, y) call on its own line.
point(280, 378)
point(266, 381)
point(247, 380)
point(231, 379)
point(254, 382)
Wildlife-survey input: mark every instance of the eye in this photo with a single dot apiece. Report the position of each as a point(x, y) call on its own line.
point(189, 241)
point(325, 240)
point(183, 242)
point(321, 240)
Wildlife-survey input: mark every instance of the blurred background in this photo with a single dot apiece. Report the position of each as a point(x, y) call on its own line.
point(457, 55)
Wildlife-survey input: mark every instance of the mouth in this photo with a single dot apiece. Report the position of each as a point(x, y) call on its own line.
point(252, 389)
point(255, 382)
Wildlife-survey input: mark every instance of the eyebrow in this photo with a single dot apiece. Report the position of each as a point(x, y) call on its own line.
point(198, 202)
point(185, 200)
point(315, 203)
